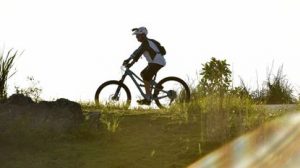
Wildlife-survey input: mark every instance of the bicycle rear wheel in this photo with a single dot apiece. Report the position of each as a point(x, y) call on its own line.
point(113, 93)
point(171, 90)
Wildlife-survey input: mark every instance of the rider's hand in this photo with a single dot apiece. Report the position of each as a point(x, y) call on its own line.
point(125, 62)
point(129, 65)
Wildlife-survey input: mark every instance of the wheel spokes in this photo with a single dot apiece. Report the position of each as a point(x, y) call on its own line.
point(174, 91)
point(109, 96)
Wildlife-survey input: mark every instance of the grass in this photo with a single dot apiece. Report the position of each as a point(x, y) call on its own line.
point(276, 89)
point(6, 65)
point(173, 137)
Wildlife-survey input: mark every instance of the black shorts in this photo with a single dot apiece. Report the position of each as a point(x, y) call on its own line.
point(148, 73)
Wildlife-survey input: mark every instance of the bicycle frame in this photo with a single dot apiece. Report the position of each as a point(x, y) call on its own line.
point(135, 80)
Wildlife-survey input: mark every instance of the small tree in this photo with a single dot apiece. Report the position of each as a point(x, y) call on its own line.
point(215, 83)
point(216, 77)
point(6, 65)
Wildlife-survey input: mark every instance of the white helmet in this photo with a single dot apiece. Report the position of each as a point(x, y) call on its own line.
point(141, 30)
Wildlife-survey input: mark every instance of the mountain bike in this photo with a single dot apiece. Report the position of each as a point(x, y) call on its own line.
point(168, 91)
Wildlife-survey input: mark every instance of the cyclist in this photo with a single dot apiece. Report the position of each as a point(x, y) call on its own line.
point(150, 49)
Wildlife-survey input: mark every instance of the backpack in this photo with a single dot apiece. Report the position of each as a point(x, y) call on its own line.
point(161, 48)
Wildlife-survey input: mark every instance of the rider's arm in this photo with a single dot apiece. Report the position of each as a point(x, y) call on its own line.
point(138, 52)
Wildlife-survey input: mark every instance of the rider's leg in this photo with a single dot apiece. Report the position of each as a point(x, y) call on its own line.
point(147, 75)
point(147, 89)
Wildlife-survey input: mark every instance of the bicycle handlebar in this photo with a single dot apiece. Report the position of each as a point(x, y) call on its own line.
point(128, 65)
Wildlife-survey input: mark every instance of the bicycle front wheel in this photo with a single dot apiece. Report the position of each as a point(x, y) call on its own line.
point(171, 90)
point(113, 93)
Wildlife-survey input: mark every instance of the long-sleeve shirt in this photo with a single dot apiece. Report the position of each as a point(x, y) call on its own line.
point(150, 51)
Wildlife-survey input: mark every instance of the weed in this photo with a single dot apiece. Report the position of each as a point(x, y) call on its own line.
point(111, 121)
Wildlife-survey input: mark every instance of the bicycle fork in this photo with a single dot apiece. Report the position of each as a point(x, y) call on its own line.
point(116, 95)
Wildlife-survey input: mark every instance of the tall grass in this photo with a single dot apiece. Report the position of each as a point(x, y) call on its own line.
point(6, 65)
point(279, 90)
point(111, 122)
point(221, 119)
point(276, 89)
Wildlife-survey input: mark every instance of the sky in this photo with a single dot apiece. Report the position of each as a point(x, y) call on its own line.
point(72, 46)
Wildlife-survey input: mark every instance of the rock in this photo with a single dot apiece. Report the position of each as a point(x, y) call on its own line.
point(58, 116)
point(19, 99)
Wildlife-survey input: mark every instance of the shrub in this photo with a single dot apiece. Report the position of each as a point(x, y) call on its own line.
point(275, 90)
point(33, 90)
point(278, 89)
point(241, 91)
